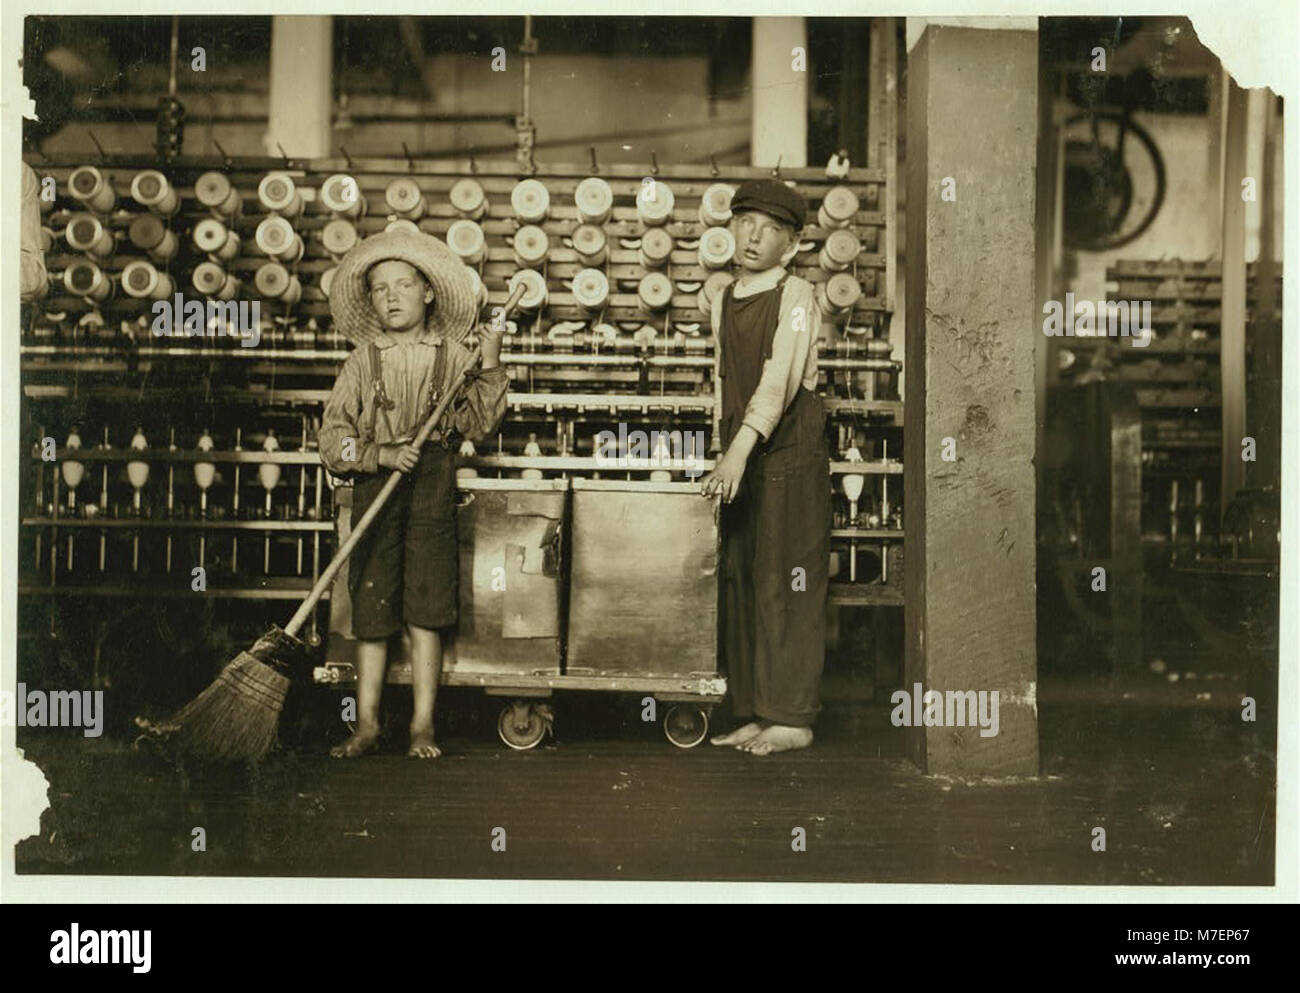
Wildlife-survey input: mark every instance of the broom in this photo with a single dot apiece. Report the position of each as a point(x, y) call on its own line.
point(238, 715)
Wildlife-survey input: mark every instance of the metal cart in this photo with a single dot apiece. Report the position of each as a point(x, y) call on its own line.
point(573, 584)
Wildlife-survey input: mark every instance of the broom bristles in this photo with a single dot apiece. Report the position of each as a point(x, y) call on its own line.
point(237, 716)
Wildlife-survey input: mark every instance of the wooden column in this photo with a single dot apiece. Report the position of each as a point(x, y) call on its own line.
point(972, 330)
point(779, 128)
point(1264, 401)
point(301, 96)
point(1232, 327)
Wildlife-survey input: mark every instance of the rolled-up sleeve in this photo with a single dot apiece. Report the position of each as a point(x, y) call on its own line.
point(482, 405)
point(799, 327)
point(34, 281)
point(342, 421)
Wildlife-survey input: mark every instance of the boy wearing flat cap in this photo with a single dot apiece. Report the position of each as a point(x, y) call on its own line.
point(773, 476)
point(407, 303)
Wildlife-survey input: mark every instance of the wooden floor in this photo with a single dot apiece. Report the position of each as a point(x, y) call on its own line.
point(1184, 792)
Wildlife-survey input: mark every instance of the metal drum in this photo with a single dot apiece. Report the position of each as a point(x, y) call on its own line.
point(643, 594)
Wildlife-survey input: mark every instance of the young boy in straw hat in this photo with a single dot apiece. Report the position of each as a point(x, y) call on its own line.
point(407, 303)
point(774, 478)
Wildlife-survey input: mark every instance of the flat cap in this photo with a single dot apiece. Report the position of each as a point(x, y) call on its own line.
point(771, 197)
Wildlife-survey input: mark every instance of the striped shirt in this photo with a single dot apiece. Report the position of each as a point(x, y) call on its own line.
point(356, 410)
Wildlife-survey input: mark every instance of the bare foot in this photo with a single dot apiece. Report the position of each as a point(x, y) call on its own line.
point(365, 740)
point(422, 746)
point(739, 736)
point(779, 738)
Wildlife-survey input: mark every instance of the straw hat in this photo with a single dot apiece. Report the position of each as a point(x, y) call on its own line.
point(454, 310)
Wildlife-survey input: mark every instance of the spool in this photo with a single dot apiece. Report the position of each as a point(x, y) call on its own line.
point(405, 199)
point(530, 201)
point(277, 238)
point(85, 279)
point(213, 281)
point(275, 282)
point(268, 473)
point(590, 244)
point(531, 246)
point(841, 292)
point(468, 199)
point(467, 451)
point(86, 233)
point(717, 248)
point(536, 293)
point(839, 250)
point(591, 290)
point(137, 473)
point(217, 240)
point(74, 472)
point(149, 234)
point(594, 200)
point(655, 291)
point(326, 280)
point(142, 281)
point(402, 224)
point(656, 247)
point(654, 203)
point(215, 192)
point(465, 239)
point(715, 205)
point(709, 292)
point(339, 237)
point(93, 189)
point(837, 208)
point(205, 472)
point(277, 193)
point(341, 195)
point(151, 189)
point(480, 290)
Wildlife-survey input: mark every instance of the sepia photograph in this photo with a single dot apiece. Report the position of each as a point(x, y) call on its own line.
point(647, 448)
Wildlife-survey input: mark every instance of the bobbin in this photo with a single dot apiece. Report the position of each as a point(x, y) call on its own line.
point(148, 234)
point(151, 189)
point(275, 282)
point(465, 239)
point(217, 240)
point(141, 280)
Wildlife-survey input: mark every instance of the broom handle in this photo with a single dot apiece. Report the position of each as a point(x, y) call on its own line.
point(394, 480)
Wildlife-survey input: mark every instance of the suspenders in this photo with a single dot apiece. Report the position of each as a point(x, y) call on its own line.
point(379, 399)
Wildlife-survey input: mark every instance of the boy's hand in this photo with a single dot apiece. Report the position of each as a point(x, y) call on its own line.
point(725, 477)
point(403, 457)
point(489, 342)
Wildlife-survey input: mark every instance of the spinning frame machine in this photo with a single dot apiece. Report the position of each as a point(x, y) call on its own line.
point(177, 452)
point(1143, 490)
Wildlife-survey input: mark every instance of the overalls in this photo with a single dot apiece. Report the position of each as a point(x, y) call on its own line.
point(404, 570)
point(773, 618)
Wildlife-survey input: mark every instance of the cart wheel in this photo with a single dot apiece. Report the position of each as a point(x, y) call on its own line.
point(522, 725)
point(686, 725)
